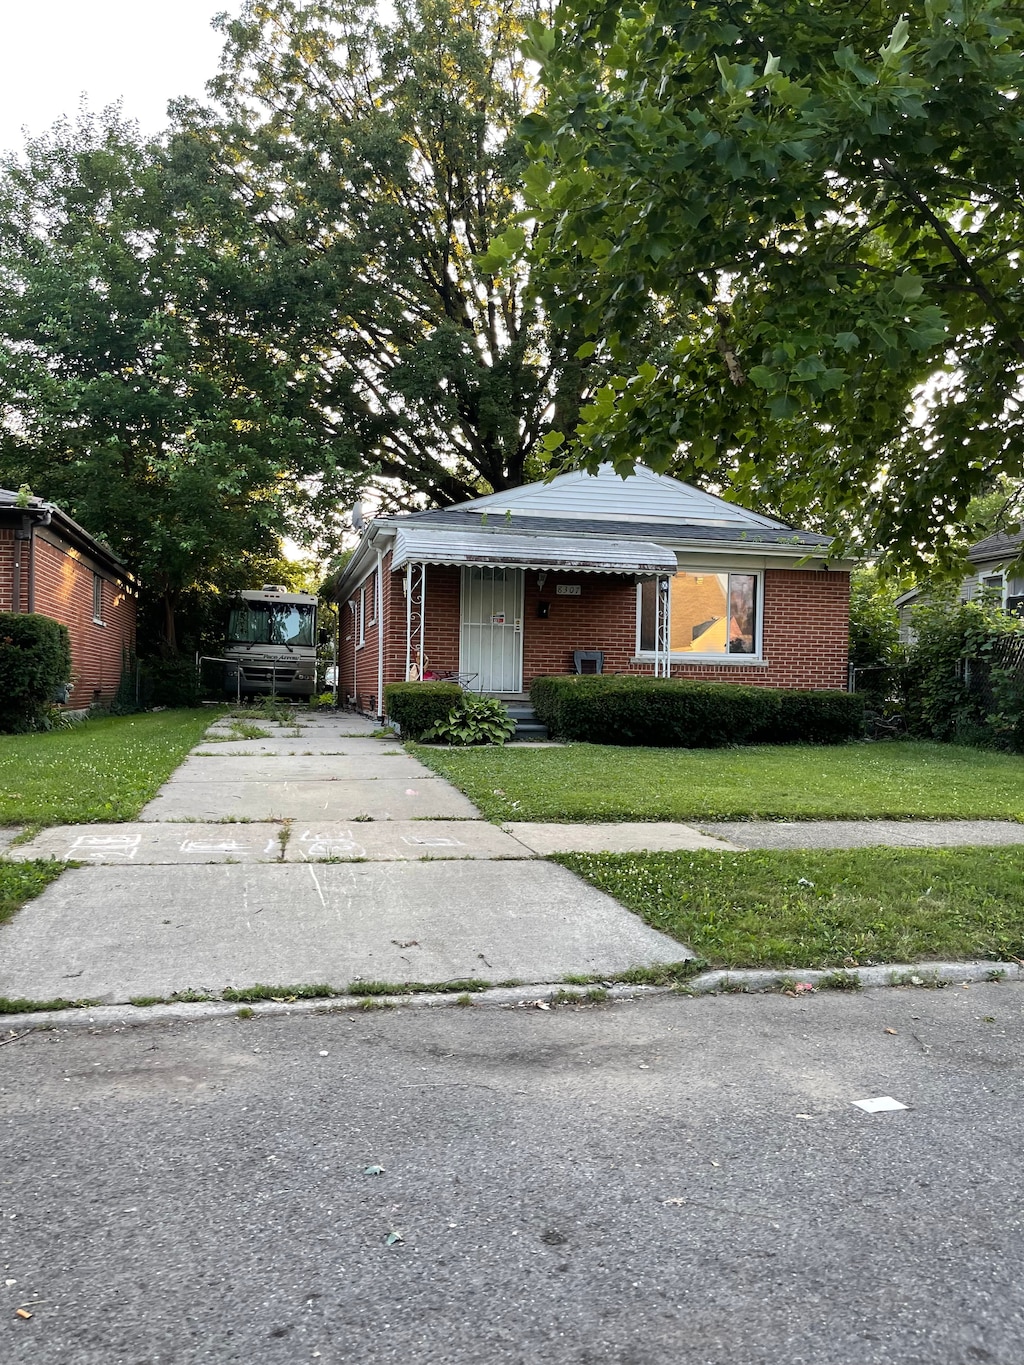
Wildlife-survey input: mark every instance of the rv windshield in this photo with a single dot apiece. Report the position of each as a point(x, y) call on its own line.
point(271, 623)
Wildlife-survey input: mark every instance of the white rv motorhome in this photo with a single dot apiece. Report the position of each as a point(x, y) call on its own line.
point(271, 643)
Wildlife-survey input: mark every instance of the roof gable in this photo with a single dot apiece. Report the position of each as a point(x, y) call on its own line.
point(606, 496)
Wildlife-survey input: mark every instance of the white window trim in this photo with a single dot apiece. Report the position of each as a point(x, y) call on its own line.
point(371, 581)
point(985, 587)
point(97, 620)
point(755, 660)
point(361, 618)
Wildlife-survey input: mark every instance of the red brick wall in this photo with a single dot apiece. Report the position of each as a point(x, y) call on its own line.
point(357, 678)
point(63, 591)
point(602, 617)
point(358, 674)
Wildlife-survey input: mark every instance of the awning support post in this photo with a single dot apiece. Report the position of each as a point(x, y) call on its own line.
point(662, 644)
point(415, 619)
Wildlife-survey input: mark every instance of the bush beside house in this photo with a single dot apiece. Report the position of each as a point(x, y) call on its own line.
point(417, 707)
point(35, 669)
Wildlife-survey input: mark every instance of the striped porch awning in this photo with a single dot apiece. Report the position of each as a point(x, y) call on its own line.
point(508, 549)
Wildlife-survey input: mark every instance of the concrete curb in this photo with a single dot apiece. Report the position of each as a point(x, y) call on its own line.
point(929, 974)
point(137, 1016)
point(753, 982)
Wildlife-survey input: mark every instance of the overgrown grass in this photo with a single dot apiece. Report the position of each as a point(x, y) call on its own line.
point(829, 909)
point(21, 882)
point(104, 769)
point(590, 782)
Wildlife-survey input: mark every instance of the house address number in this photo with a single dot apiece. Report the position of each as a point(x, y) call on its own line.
point(569, 590)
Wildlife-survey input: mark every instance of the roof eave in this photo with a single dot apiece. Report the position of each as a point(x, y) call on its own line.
point(363, 559)
point(48, 514)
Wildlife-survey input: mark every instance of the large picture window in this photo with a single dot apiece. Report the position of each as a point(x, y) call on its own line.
point(709, 614)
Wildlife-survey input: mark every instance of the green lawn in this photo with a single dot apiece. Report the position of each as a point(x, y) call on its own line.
point(105, 769)
point(590, 782)
point(823, 909)
point(20, 882)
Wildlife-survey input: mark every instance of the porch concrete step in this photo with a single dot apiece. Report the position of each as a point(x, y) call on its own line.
point(527, 724)
point(526, 729)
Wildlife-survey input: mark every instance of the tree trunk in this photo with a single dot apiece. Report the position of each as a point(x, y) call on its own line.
point(169, 643)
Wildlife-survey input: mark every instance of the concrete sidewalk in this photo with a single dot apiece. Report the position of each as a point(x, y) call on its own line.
point(317, 856)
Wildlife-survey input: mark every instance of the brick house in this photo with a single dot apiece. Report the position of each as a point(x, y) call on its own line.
point(50, 565)
point(641, 575)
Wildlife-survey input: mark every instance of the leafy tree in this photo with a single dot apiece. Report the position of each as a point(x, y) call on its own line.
point(822, 202)
point(874, 623)
point(963, 679)
point(375, 169)
point(134, 390)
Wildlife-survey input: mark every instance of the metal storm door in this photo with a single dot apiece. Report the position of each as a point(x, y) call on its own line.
point(492, 629)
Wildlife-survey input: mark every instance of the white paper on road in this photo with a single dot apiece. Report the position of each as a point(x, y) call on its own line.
point(881, 1105)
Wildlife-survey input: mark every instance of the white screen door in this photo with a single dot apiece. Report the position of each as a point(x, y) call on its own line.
point(492, 629)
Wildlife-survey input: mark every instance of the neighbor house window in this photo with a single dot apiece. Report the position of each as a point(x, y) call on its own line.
point(361, 618)
point(97, 599)
point(371, 591)
point(991, 585)
point(709, 614)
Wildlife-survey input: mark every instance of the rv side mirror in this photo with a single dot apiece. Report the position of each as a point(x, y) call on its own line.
point(323, 637)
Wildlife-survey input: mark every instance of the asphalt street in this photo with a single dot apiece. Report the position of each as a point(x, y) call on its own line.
point(669, 1181)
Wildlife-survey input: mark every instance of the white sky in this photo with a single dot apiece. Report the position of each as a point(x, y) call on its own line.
point(142, 52)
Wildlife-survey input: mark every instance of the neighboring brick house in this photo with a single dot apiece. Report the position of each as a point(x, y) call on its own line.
point(652, 575)
point(50, 565)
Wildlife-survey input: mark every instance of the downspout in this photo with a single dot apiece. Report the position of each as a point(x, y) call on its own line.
point(46, 519)
point(337, 653)
point(22, 534)
point(379, 613)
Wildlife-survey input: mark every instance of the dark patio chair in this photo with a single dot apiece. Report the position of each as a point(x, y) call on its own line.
point(588, 661)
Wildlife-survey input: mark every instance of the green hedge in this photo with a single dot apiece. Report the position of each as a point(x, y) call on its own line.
point(818, 717)
point(35, 665)
point(170, 682)
point(663, 713)
point(415, 706)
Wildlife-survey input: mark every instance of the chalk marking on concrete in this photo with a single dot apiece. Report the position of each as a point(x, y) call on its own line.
point(319, 892)
point(100, 847)
point(226, 846)
point(340, 845)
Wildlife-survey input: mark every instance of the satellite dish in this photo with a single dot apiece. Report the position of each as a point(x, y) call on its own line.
point(358, 522)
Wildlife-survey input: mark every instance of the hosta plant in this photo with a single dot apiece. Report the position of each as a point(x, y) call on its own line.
point(474, 720)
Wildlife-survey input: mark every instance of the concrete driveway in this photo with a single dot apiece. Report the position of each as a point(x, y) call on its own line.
point(317, 856)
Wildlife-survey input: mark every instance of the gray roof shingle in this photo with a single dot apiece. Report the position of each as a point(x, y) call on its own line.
point(457, 518)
